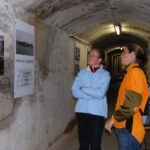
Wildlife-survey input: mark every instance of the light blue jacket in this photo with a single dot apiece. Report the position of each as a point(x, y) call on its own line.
point(92, 98)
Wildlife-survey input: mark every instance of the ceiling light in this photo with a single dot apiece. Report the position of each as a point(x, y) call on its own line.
point(117, 29)
point(121, 48)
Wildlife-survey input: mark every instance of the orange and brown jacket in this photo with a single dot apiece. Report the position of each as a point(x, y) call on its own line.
point(132, 97)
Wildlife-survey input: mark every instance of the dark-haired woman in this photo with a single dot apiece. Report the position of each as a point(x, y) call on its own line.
point(132, 97)
point(90, 87)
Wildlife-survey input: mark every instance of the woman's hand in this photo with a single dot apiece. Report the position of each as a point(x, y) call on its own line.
point(109, 124)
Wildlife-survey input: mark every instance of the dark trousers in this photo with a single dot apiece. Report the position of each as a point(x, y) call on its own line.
point(90, 129)
point(147, 140)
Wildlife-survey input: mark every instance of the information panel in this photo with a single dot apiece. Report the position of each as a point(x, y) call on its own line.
point(24, 59)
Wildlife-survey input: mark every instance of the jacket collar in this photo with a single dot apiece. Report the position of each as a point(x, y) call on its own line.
point(131, 66)
point(88, 68)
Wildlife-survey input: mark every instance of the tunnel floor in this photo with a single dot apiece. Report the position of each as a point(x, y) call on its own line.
point(109, 142)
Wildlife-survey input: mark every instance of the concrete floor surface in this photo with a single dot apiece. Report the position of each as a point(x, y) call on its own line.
point(70, 141)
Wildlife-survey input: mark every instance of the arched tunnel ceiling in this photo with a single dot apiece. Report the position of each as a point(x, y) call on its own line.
point(92, 19)
point(112, 40)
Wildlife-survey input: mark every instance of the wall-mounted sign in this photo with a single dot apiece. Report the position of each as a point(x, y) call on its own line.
point(24, 59)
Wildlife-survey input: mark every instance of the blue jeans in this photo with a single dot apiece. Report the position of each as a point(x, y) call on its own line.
point(126, 140)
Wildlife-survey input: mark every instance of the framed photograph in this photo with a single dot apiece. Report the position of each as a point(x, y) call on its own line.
point(77, 60)
point(88, 52)
point(1, 55)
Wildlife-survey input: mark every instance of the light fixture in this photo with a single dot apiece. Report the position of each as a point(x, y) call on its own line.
point(121, 48)
point(117, 29)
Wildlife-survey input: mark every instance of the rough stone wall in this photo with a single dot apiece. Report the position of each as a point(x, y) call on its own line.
point(54, 55)
point(8, 14)
point(35, 122)
point(7, 30)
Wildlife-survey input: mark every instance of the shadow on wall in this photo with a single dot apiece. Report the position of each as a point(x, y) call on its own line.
point(6, 98)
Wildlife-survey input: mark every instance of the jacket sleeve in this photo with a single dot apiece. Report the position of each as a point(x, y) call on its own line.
point(76, 92)
point(131, 104)
point(100, 92)
point(133, 96)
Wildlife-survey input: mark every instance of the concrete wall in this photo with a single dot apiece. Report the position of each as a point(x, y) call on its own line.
point(35, 122)
point(54, 55)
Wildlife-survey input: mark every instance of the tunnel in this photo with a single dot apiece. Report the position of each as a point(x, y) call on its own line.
point(63, 33)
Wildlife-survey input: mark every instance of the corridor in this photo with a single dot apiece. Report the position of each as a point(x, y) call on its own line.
point(43, 46)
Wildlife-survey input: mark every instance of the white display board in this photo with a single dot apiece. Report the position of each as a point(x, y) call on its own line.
point(24, 59)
